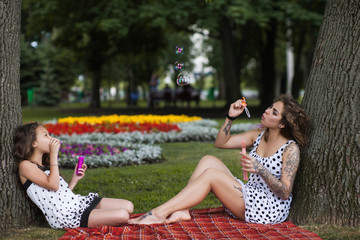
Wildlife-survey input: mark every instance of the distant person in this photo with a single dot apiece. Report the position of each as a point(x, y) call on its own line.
point(273, 163)
point(36, 152)
point(154, 82)
point(167, 95)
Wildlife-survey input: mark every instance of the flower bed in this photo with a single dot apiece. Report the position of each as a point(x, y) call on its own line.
point(103, 144)
point(58, 129)
point(129, 119)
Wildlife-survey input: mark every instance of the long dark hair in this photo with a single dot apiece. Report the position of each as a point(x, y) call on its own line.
point(294, 119)
point(24, 137)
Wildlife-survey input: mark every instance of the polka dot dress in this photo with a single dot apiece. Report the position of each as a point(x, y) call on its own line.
point(63, 208)
point(261, 204)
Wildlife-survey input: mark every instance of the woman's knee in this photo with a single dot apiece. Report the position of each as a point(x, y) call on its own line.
point(212, 173)
point(210, 160)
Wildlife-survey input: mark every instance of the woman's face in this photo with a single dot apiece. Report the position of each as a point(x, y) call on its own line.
point(272, 116)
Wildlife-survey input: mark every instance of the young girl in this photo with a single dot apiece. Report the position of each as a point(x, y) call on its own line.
point(37, 154)
point(272, 162)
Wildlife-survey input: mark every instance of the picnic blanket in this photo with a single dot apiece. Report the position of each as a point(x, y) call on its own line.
point(212, 223)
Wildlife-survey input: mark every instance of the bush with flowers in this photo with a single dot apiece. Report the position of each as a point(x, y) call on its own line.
point(119, 140)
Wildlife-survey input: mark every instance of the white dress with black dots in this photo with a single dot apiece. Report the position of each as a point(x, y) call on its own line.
point(62, 208)
point(261, 204)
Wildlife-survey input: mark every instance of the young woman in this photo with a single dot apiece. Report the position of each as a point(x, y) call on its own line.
point(37, 154)
point(272, 162)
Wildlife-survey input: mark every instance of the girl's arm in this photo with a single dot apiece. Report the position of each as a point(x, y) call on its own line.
point(284, 186)
point(76, 178)
point(28, 170)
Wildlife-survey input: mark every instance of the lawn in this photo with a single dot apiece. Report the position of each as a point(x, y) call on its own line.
point(147, 186)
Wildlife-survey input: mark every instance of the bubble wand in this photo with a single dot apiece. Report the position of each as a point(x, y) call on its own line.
point(243, 102)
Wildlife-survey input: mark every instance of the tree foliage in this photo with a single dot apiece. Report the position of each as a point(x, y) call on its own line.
point(247, 37)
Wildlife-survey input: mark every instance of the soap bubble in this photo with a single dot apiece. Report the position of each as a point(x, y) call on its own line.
point(179, 65)
point(183, 79)
point(179, 50)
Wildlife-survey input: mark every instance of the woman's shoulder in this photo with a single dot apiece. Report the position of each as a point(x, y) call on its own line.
point(291, 149)
point(255, 133)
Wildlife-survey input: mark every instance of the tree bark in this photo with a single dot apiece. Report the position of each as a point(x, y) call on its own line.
point(15, 210)
point(267, 91)
point(232, 83)
point(327, 187)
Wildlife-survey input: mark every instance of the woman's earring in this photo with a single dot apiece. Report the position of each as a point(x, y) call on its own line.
point(280, 126)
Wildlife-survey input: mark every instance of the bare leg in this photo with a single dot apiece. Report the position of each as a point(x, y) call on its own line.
point(206, 162)
point(225, 187)
point(111, 203)
point(111, 211)
point(114, 217)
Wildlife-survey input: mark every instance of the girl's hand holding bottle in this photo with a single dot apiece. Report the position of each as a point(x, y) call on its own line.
point(79, 173)
point(77, 176)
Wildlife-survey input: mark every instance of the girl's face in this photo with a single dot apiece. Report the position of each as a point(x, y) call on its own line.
point(273, 115)
point(42, 142)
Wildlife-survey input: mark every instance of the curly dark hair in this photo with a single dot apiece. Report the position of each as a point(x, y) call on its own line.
point(24, 136)
point(294, 119)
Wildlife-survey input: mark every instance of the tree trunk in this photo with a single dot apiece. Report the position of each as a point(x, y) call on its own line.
point(327, 188)
point(298, 77)
point(232, 84)
point(15, 210)
point(95, 87)
point(267, 92)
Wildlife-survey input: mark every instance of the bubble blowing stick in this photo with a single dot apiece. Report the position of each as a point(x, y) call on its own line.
point(243, 150)
point(246, 109)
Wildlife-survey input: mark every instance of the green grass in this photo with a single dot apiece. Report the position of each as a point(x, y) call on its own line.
point(148, 186)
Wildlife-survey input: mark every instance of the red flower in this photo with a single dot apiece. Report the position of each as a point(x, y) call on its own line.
point(117, 127)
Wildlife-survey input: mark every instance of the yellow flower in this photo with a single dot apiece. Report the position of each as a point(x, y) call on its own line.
point(129, 119)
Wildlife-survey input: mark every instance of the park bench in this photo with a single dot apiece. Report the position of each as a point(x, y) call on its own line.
point(185, 94)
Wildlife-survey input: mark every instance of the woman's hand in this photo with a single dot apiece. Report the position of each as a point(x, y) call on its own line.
point(250, 164)
point(236, 108)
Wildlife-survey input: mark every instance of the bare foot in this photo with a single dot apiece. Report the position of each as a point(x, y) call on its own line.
point(178, 216)
point(147, 218)
point(134, 220)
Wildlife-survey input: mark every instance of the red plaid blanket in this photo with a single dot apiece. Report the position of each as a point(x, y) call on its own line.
point(205, 224)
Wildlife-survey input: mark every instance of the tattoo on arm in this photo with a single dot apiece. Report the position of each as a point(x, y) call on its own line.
point(289, 169)
point(291, 165)
point(227, 128)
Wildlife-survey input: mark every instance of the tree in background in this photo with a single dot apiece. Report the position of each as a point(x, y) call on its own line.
point(246, 33)
point(327, 187)
point(43, 65)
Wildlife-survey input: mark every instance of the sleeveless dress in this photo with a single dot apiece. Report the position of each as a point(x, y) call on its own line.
point(62, 208)
point(261, 204)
